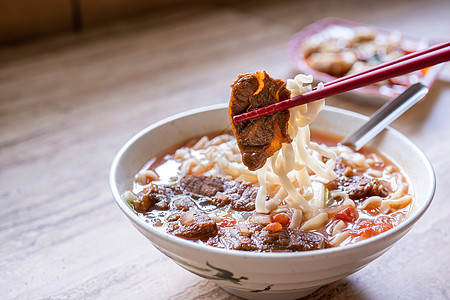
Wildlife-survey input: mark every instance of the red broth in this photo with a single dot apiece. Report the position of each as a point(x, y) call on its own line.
point(173, 203)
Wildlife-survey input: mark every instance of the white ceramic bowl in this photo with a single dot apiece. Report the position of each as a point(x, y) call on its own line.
point(268, 275)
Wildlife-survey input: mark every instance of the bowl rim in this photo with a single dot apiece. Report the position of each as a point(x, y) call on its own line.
point(187, 244)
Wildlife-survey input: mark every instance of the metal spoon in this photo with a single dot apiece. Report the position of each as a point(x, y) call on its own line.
point(385, 115)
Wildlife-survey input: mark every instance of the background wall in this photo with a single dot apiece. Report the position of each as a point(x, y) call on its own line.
point(22, 19)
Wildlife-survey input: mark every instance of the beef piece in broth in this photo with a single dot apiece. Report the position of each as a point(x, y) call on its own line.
point(359, 187)
point(239, 195)
point(260, 138)
point(356, 185)
point(257, 238)
point(232, 238)
point(155, 197)
point(305, 241)
point(289, 240)
point(193, 190)
point(193, 224)
point(202, 185)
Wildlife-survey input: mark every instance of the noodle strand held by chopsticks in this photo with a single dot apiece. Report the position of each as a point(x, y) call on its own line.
point(298, 155)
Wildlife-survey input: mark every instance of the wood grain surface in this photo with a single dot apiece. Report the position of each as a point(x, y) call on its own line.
point(69, 102)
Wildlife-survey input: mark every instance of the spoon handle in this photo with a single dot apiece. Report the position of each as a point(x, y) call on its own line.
point(385, 115)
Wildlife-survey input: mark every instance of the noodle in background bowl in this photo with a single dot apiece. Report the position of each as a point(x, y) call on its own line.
point(268, 275)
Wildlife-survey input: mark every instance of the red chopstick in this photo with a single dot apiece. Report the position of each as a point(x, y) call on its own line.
point(423, 59)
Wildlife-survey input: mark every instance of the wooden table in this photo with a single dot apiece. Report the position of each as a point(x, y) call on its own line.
point(68, 103)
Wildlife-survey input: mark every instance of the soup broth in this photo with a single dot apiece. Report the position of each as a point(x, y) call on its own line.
point(201, 191)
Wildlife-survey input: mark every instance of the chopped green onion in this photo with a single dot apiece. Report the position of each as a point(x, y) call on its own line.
point(129, 197)
point(130, 203)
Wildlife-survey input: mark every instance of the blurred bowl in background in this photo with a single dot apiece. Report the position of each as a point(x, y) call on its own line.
point(332, 48)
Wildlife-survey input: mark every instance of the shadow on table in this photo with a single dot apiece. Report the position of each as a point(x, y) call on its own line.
point(341, 289)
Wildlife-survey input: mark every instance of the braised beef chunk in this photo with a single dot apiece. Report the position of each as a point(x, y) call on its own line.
point(220, 191)
point(194, 224)
point(305, 241)
point(197, 190)
point(269, 240)
point(202, 185)
point(289, 240)
point(155, 197)
point(260, 138)
point(232, 238)
point(243, 197)
point(258, 239)
point(359, 187)
point(356, 185)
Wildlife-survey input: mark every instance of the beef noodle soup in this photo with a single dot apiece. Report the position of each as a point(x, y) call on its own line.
point(202, 192)
point(307, 194)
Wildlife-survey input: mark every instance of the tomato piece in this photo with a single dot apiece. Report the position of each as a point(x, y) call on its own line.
point(373, 211)
point(274, 227)
point(370, 228)
point(226, 222)
point(281, 218)
point(348, 214)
